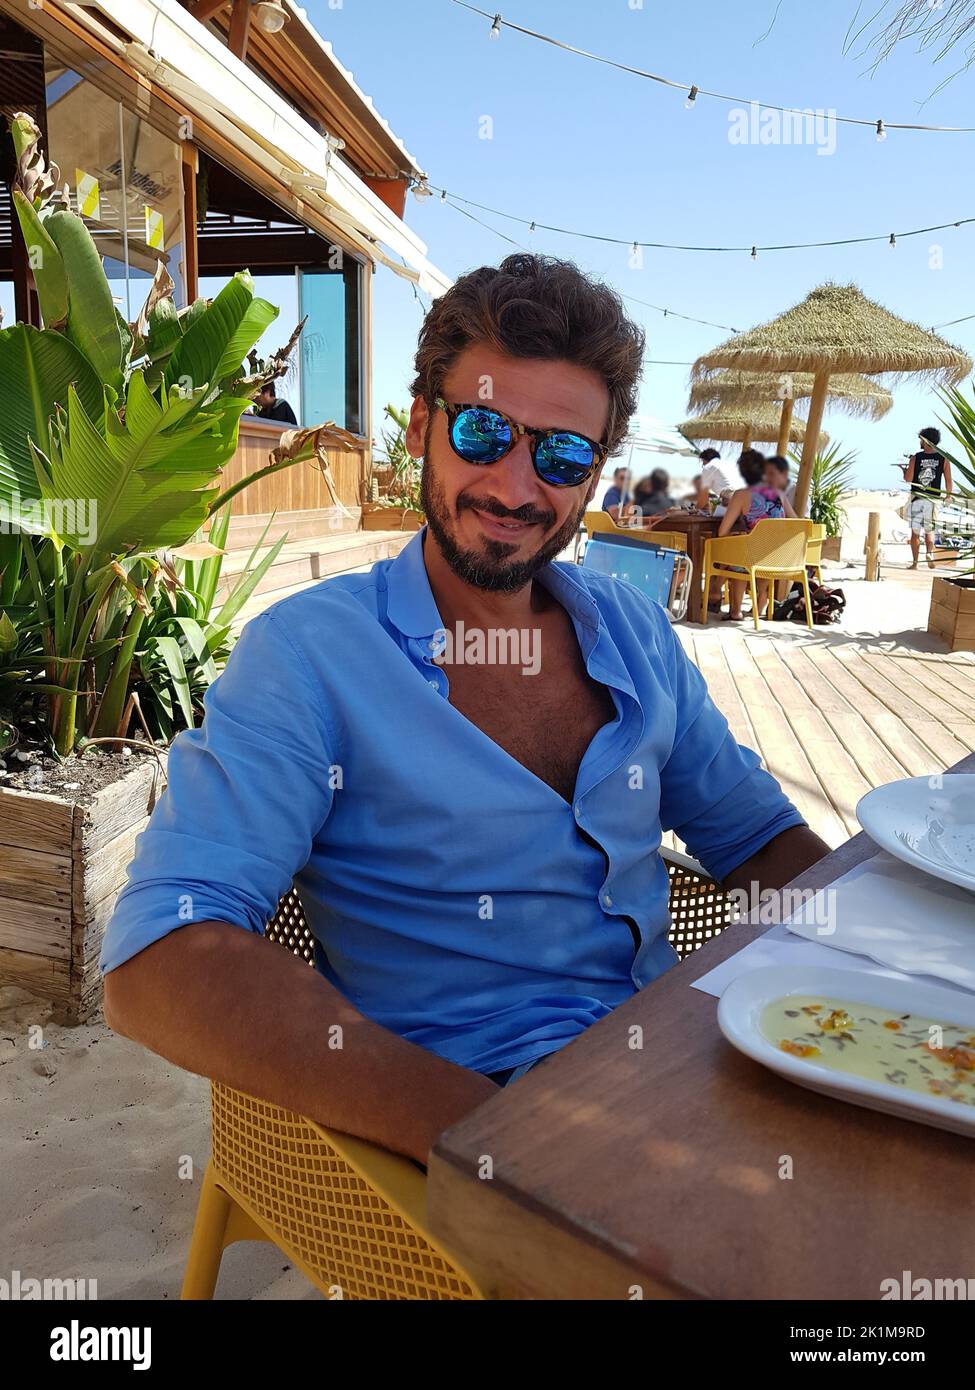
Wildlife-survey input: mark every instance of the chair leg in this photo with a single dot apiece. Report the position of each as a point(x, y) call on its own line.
point(808, 597)
point(754, 594)
point(707, 595)
point(209, 1239)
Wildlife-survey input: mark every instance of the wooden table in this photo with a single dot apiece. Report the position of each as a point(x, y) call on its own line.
point(608, 1168)
point(697, 528)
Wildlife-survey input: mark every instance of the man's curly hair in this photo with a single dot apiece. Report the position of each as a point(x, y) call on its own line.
point(536, 307)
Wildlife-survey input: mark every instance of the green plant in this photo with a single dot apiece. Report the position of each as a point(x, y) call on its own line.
point(832, 475)
point(113, 438)
point(186, 638)
point(960, 422)
point(403, 488)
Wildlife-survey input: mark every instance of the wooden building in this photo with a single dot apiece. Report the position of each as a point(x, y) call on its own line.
point(217, 135)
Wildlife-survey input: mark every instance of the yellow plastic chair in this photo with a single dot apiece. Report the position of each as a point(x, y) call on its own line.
point(596, 522)
point(774, 549)
point(814, 548)
point(349, 1214)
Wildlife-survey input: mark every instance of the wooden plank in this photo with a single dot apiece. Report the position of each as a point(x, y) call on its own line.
point(860, 740)
point(46, 976)
point(841, 780)
point(32, 820)
point(779, 746)
point(954, 698)
point(35, 876)
point(40, 931)
point(707, 655)
point(116, 808)
point(945, 748)
point(903, 675)
point(915, 758)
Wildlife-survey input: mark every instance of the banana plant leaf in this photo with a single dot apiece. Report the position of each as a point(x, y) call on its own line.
point(36, 369)
point(215, 343)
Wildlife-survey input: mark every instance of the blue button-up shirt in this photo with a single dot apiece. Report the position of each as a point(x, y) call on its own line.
point(455, 897)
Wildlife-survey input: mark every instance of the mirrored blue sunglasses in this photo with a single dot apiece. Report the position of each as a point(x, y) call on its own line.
point(481, 435)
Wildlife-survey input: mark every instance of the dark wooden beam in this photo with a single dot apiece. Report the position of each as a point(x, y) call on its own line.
point(240, 27)
point(205, 9)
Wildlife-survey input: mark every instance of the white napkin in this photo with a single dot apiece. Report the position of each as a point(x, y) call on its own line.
point(897, 916)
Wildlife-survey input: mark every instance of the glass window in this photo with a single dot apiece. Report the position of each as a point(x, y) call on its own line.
point(330, 345)
point(124, 178)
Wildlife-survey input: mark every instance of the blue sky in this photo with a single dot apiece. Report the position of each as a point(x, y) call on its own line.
point(574, 143)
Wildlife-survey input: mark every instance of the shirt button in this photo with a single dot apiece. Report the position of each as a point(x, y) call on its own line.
point(607, 900)
point(578, 808)
point(435, 684)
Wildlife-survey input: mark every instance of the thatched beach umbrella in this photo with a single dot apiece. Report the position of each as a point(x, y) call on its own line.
point(744, 425)
point(836, 328)
point(853, 393)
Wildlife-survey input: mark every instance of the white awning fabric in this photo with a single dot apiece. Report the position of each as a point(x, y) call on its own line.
point(186, 60)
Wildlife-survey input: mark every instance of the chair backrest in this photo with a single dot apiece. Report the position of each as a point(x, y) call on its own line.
point(601, 523)
point(814, 545)
point(778, 543)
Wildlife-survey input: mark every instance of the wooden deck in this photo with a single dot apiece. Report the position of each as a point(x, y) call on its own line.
point(833, 717)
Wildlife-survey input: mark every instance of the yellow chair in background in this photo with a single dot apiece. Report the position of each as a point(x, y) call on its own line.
point(814, 548)
point(775, 549)
point(601, 522)
point(351, 1215)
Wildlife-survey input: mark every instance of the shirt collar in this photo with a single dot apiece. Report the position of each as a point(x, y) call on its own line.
point(412, 609)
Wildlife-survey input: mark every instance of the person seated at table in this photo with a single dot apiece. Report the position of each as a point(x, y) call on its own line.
point(777, 477)
point(474, 857)
point(749, 505)
point(651, 495)
point(713, 479)
point(618, 497)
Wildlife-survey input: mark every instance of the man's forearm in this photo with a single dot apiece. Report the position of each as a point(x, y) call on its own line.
point(227, 1004)
point(780, 861)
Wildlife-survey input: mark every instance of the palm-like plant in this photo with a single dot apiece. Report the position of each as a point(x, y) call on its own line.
point(403, 488)
point(832, 475)
point(112, 442)
point(960, 421)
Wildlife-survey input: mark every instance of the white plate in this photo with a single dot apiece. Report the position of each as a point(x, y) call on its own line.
point(741, 1007)
point(929, 826)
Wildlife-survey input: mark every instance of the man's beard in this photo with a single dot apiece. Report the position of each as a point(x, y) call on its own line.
point(491, 568)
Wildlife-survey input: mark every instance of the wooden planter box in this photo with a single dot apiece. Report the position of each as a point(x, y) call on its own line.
point(952, 612)
point(379, 518)
point(831, 548)
point(61, 869)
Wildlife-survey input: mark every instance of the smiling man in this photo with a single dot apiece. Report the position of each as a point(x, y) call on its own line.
point(475, 837)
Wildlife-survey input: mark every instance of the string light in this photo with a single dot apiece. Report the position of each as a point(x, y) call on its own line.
point(893, 239)
point(422, 190)
point(454, 201)
point(443, 195)
point(687, 87)
point(881, 131)
point(754, 253)
point(691, 98)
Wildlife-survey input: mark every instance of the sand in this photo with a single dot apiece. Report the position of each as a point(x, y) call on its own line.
point(94, 1134)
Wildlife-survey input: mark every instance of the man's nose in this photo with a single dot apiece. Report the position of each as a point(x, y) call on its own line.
point(514, 481)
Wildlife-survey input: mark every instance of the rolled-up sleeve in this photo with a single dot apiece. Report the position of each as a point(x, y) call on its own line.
point(715, 795)
point(247, 793)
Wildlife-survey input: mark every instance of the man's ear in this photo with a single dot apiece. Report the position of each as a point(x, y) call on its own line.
point(416, 430)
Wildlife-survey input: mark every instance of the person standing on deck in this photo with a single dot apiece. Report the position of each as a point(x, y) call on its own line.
point(925, 471)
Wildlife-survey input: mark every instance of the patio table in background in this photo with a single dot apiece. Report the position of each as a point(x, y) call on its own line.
point(609, 1170)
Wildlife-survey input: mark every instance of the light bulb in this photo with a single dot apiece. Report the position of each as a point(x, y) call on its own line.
point(754, 253)
point(495, 28)
point(691, 98)
point(893, 239)
point(270, 15)
point(881, 131)
point(421, 190)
